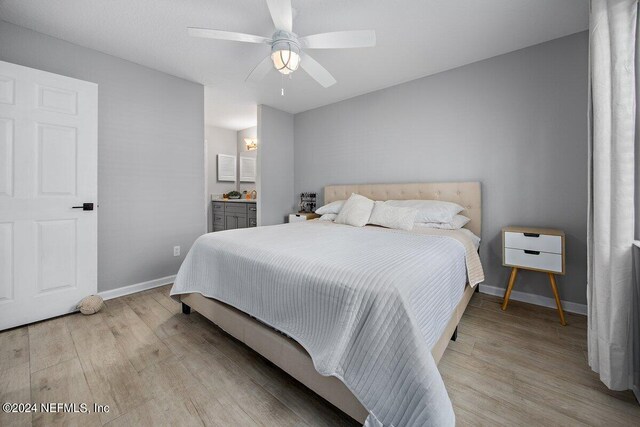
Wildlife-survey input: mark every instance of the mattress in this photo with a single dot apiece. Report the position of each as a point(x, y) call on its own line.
point(366, 303)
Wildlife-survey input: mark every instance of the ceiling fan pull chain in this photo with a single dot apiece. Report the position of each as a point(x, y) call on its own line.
point(282, 85)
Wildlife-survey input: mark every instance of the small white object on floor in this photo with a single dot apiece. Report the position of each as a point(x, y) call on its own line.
point(91, 304)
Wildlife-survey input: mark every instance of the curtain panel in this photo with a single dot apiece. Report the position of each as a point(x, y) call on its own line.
point(613, 33)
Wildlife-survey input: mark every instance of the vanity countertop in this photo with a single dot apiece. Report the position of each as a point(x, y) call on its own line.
point(235, 200)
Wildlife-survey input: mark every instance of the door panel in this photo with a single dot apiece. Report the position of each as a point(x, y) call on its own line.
point(57, 254)
point(6, 262)
point(48, 165)
point(6, 157)
point(58, 100)
point(57, 158)
point(6, 89)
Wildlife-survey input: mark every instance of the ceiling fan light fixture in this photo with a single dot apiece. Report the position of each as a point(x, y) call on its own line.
point(287, 48)
point(285, 56)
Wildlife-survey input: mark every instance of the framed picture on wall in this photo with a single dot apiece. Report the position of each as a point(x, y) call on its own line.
point(247, 169)
point(226, 168)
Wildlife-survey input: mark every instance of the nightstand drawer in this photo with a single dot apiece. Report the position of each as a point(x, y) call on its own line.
point(302, 216)
point(297, 218)
point(533, 242)
point(537, 260)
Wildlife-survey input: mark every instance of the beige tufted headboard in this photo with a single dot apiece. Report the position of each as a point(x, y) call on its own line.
point(466, 194)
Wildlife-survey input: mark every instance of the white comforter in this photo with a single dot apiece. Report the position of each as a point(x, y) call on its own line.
point(366, 303)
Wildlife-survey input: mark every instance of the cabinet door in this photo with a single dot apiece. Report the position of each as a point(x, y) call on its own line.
point(241, 221)
point(230, 222)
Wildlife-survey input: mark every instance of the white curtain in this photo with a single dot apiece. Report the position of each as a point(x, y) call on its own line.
point(613, 30)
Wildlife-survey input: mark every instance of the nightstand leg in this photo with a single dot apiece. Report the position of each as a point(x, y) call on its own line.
point(552, 279)
point(512, 281)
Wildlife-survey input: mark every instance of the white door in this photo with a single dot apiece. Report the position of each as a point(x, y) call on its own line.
point(48, 165)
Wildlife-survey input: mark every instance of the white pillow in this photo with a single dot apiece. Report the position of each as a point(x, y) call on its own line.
point(328, 217)
point(430, 210)
point(331, 208)
point(456, 223)
point(392, 217)
point(356, 211)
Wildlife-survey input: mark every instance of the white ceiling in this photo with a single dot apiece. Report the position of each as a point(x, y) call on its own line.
point(415, 38)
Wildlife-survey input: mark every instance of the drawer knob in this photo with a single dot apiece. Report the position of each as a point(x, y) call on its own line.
point(526, 251)
point(532, 234)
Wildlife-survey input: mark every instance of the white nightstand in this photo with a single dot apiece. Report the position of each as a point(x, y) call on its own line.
point(537, 249)
point(302, 216)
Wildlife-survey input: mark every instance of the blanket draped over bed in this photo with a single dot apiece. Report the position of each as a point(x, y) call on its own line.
point(366, 303)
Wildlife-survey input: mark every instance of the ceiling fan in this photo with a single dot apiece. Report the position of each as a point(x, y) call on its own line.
point(287, 49)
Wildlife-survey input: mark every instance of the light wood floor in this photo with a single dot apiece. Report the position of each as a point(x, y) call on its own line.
point(154, 366)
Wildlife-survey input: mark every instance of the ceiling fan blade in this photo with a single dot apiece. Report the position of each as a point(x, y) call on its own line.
point(317, 71)
point(281, 14)
point(226, 35)
point(340, 40)
point(260, 70)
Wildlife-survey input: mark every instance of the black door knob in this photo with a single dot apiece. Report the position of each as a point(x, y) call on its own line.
point(85, 207)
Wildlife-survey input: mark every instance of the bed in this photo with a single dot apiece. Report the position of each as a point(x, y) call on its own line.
point(268, 289)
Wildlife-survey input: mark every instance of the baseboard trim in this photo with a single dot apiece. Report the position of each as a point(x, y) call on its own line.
point(138, 287)
point(636, 392)
point(569, 306)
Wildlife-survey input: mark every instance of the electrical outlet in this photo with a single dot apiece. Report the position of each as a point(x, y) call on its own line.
point(176, 251)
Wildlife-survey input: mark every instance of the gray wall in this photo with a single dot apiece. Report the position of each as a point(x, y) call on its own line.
point(150, 155)
point(251, 132)
point(219, 141)
point(516, 122)
point(275, 166)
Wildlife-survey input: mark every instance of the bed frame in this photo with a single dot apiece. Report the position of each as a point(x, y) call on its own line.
point(286, 353)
